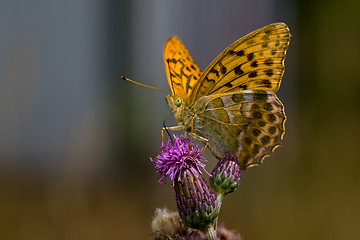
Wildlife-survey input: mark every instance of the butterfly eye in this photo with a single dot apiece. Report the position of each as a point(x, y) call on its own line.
point(178, 101)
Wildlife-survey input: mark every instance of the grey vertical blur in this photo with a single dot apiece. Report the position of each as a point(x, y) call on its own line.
point(52, 81)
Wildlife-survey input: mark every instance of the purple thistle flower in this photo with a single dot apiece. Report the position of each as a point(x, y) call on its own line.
point(197, 205)
point(226, 176)
point(176, 158)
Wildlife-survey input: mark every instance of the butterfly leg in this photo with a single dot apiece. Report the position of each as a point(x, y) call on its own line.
point(192, 130)
point(177, 128)
point(203, 140)
point(169, 128)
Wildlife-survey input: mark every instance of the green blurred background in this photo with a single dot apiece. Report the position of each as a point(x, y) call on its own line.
point(75, 140)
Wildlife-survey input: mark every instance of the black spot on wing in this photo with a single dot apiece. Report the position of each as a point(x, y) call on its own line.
point(267, 83)
point(215, 71)
point(253, 74)
point(229, 85)
point(254, 106)
point(250, 56)
point(222, 69)
point(256, 149)
point(268, 107)
point(176, 83)
point(261, 97)
point(243, 86)
point(256, 132)
point(247, 140)
point(271, 117)
point(265, 140)
point(257, 115)
point(268, 62)
point(237, 98)
point(238, 70)
point(240, 53)
point(272, 130)
point(269, 72)
point(254, 64)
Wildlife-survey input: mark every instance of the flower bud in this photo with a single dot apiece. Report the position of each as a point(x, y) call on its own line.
point(226, 176)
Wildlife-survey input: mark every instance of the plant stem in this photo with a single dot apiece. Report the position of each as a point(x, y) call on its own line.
point(211, 233)
point(220, 198)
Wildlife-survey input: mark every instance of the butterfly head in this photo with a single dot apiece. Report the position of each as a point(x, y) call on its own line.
point(176, 105)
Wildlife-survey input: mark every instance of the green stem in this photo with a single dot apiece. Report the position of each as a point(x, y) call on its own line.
point(219, 199)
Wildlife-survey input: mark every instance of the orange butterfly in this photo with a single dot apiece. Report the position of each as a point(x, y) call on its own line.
point(232, 105)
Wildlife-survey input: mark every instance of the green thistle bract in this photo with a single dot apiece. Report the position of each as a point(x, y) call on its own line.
point(226, 176)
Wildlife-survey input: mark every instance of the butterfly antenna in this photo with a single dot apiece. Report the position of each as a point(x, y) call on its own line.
point(127, 79)
point(167, 131)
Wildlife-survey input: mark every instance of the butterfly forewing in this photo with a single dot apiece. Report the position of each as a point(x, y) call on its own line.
point(255, 61)
point(248, 124)
point(182, 73)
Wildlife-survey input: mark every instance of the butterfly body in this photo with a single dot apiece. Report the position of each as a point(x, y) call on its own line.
point(232, 105)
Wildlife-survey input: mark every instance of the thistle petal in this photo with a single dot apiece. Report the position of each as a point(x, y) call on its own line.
point(176, 158)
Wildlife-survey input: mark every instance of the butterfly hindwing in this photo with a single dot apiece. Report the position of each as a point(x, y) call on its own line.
point(248, 124)
point(182, 73)
point(266, 131)
point(255, 61)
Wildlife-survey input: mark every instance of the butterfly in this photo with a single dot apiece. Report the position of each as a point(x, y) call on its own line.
point(232, 106)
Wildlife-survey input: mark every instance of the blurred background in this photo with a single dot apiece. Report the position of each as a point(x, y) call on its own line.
point(75, 139)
